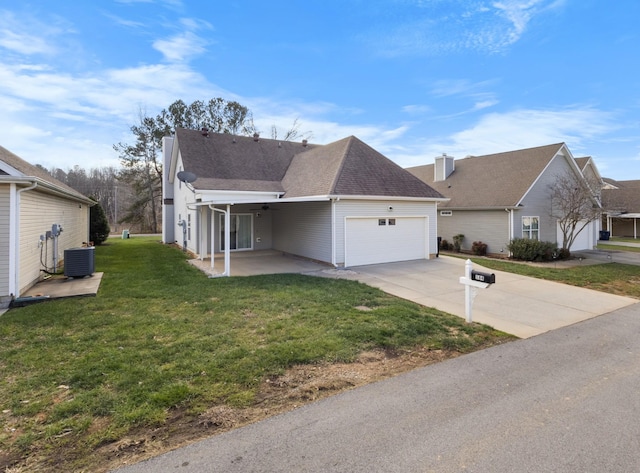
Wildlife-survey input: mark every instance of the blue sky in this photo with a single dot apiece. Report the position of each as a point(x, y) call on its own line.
point(413, 78)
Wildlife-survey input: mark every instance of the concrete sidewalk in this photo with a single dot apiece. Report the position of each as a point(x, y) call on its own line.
point(518, 305)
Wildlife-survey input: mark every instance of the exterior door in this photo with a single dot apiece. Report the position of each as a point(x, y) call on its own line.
point(240, 233)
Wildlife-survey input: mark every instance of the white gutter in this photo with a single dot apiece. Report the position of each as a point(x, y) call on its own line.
point(14, 256)
point(47, 186)
point(333, 232)
point(510, 226)
point(317, 198)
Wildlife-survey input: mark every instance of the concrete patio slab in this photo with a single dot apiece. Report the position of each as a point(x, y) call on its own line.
point(253, 263)
point(61, 287)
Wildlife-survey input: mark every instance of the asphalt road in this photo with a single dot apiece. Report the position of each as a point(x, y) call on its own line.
point(564, 401)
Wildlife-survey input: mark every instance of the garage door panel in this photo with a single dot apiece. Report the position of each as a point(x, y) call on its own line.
point(584, 240)
point(399, 239)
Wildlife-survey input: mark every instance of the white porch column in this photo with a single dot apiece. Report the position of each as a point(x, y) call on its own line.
point(213, 235)
point(227, 241)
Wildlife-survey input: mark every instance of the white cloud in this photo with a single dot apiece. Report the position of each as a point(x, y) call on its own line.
point(183, 46)
point(27, 37)
point(449, 26)
point(450, 87)
point(498, 132)
point(416, 109)
point(484, 104)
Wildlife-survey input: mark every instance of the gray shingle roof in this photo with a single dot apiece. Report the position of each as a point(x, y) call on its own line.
point(582, 162)
point(345, 167)
point(626, 198)
point(490, 181)
point(29, 171)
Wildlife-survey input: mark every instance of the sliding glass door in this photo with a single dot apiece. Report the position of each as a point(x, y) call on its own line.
point(240, 232)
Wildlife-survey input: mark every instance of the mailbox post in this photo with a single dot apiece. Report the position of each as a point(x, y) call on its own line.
point(473, 280)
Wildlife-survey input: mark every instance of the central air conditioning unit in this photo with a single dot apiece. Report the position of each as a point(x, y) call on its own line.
point(79, 262)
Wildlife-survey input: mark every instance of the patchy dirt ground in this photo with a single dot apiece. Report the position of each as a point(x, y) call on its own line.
point(298, 386)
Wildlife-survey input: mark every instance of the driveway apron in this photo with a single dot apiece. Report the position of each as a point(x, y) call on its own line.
point(518, 305)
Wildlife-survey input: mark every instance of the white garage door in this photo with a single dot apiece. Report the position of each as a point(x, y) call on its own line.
point(584, 240)
point(384, 240)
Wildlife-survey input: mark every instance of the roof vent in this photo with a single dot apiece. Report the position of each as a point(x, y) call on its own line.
point(205, 132)
point(256, 137)
point(304, 143)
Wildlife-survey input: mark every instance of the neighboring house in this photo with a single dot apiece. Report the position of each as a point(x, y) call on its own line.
point(499, 197)
point(344, 203)
point(621, 205)
point(31, 203)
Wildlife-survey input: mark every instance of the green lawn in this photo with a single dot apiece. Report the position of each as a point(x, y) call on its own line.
point(624, 239)
point(612, 246)
point(162, 338)
point(615, 278)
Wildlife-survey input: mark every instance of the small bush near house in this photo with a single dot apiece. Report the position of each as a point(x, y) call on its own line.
point(478, 248)
point(525, 249)
point(445, 246)
point(457, 242)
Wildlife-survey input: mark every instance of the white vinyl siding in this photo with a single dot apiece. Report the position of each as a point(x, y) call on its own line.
point(303, 229)
point(38, 212)
point(379, 209)
point(488, 226)
point(4, 239)
point(537, 201)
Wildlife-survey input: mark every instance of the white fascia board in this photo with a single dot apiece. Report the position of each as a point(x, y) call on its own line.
point(175, 153)
point(627, 215)
point(237, 197)
point(10, 170)
point(496, 207)
point(387, 197)
point(47, 187)
point(314, 198)
point(270, 200)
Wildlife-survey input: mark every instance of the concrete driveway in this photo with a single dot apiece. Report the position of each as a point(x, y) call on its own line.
point(518, 305)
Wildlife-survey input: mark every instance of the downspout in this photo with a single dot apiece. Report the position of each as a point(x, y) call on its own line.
point(201, 224)
point(15, 280)
point(333, 232)
point(510, 211)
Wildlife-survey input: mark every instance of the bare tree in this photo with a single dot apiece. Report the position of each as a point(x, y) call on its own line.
point(101, 184)
point(575, 203)
point(141, 161)
point(292, 133)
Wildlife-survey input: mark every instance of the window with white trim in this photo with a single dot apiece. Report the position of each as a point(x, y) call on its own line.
point(531, 228)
